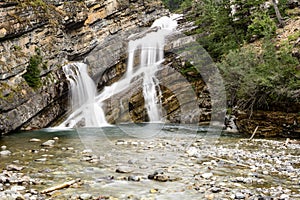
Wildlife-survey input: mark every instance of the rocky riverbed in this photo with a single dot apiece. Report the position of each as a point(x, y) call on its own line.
point(176, 163)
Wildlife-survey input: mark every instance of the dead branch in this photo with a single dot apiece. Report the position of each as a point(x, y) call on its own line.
point(253, 134)
point(60, 186)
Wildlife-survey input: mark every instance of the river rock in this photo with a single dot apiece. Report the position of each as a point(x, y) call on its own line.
point(124, 169)
point(49, 143)
point(18, 188)
point(134, 178)
point(14, 167)
point(207, 175)
point(216, 190)
point(34, 140)
point(161, 177)
point(239, 195)
point(192, 152)
point(40, 159)
point(284, 197)
point(5, 153)
point(3, 147)
point(85, 196)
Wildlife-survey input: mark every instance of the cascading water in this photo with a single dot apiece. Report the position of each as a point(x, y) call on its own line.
point(83, 92)
point(150, 49)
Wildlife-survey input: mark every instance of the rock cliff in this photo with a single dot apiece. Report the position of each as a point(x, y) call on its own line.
point(38, 37)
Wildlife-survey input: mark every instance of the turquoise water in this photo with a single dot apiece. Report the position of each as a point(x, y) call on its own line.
point(94, 154)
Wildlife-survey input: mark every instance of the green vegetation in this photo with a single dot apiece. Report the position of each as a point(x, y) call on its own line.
point(32, 75)
point(258, 75)
point(262, 77)
point(173, 4)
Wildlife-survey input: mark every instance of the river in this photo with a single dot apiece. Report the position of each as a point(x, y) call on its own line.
point(143, 161)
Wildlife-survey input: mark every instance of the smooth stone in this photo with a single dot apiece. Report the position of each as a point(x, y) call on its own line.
point(239, 195)
point(5, 153)
point(87, 151)
point(40, 159)
point(34, 140)
point(3, 147)
point(161, 177)
point(85, 196)
point(192, 152)
point(284, 197)
point(207, 175)
point(14, 167)
point(216, 190)
point(134, 178)
point(18, 188)
point(132, 161)
point(49, 143)
point(124, 169)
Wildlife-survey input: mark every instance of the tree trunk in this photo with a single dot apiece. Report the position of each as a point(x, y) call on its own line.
point(278, 15)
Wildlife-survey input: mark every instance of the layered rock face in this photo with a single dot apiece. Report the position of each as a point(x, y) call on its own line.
point(39, 37)
point(185, 95)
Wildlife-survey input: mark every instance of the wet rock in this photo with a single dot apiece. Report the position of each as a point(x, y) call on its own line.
point(239, 195)
point(41, 160)
point(161, 178)
point(85, 196)
point(151, 176)
point(10, 194)
point(56, 138)
point(18, 188)
point(49, 143)
point(14, 167)
point(153, 191)
point(284, 197)
point(124, 169)
point(192, 152)
point(5, 153)
point(34, 140)
point(134, 178)
point(216, 190)
point(132, 161)
point(87, 151)
point(207, 175)
point(3, 147)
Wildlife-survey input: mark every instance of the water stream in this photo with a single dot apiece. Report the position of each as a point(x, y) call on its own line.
point(189, 167)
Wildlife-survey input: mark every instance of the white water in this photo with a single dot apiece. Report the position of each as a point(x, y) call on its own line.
point(86, 105)
point(83, 92)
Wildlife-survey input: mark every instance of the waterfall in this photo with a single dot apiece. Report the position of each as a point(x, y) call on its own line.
point(86, 104)
point(83, 92)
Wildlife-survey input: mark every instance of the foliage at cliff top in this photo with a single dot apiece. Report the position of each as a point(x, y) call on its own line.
point(256, 76)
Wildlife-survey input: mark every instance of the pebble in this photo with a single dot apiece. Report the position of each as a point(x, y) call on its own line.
point(3, 147)
point(207, 175)
point(239, 195)
point(124, 169)
point(55, 138)
point(215, 190)
point(49, 143)
point(5, 153)
point(192, 152)
point(18, 188)
point(34, 140)
point(284, 197)
point(41, 160)
point(134, 178)
point(85, 196)
point(12, 167)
